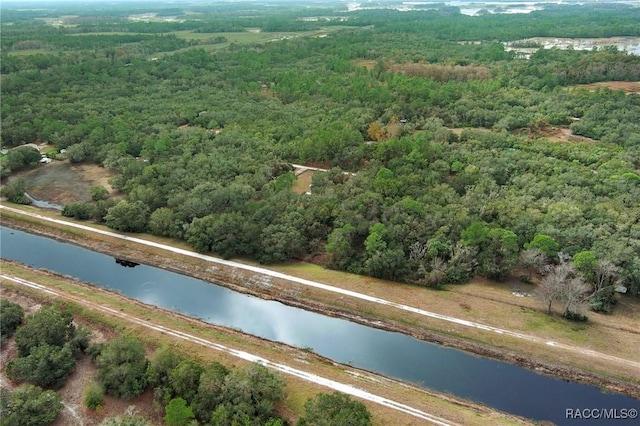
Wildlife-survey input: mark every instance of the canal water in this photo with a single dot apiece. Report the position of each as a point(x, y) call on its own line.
point(497, 384)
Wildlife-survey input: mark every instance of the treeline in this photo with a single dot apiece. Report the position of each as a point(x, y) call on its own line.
point(579, 21)
point(184, 391)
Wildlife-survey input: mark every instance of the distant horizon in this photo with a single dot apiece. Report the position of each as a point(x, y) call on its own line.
point(30, 3)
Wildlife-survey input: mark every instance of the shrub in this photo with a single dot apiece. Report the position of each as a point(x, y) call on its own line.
point(46, 366)
point(14, 191)
point(93, 396)
point(336, 409)
point(177, 413)
point(98, 192)
point(78, 210)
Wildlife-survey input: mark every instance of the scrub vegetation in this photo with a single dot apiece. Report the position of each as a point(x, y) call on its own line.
point(48, 345)
point(201, 134)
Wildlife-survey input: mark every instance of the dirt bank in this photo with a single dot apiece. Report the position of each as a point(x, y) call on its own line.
point(272, 288)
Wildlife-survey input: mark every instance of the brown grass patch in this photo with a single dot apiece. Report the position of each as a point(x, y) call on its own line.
point(61, 182)
point(625, 86)
point(441, 73)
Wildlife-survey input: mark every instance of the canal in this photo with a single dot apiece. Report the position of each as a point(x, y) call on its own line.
point(497, 384)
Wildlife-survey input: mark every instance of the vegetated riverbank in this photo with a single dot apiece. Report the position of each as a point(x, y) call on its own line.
point(113, 314)
point(547, 359)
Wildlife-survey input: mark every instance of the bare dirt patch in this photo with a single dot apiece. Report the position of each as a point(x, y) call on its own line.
point(302, 184)
point(625, 86)
point(564, 135)
point(62, 182)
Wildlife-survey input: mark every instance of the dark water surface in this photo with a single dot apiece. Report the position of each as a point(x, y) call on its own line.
point(497, 384)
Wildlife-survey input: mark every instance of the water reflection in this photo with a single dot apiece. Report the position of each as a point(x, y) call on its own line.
point(126, 263)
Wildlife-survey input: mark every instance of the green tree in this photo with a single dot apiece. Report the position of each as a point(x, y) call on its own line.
point(47, 326)
point(185, 379)
point(375, 241)
point(28, 405)
point(337, 409)
point(160, 365)
point(45, 366)
point(11, 316)
point(128, 217)
point(499, 255)
point(389, 264)
point(226, 234)
point(586, 262)
point(210, 391)
point(177, 413)
point(339, 245)
point(164, 222)
point(475, 235)
point(252, 391)
point(545, 244)
point(122, 366)
point(279, 243)
point(21, 157)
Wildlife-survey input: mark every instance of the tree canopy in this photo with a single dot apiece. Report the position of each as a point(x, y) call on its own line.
point(447, 153)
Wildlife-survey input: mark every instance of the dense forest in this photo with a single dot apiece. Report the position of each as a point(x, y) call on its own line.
point(437, 139)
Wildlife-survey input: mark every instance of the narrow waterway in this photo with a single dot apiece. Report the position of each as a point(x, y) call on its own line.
point(497, 384)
